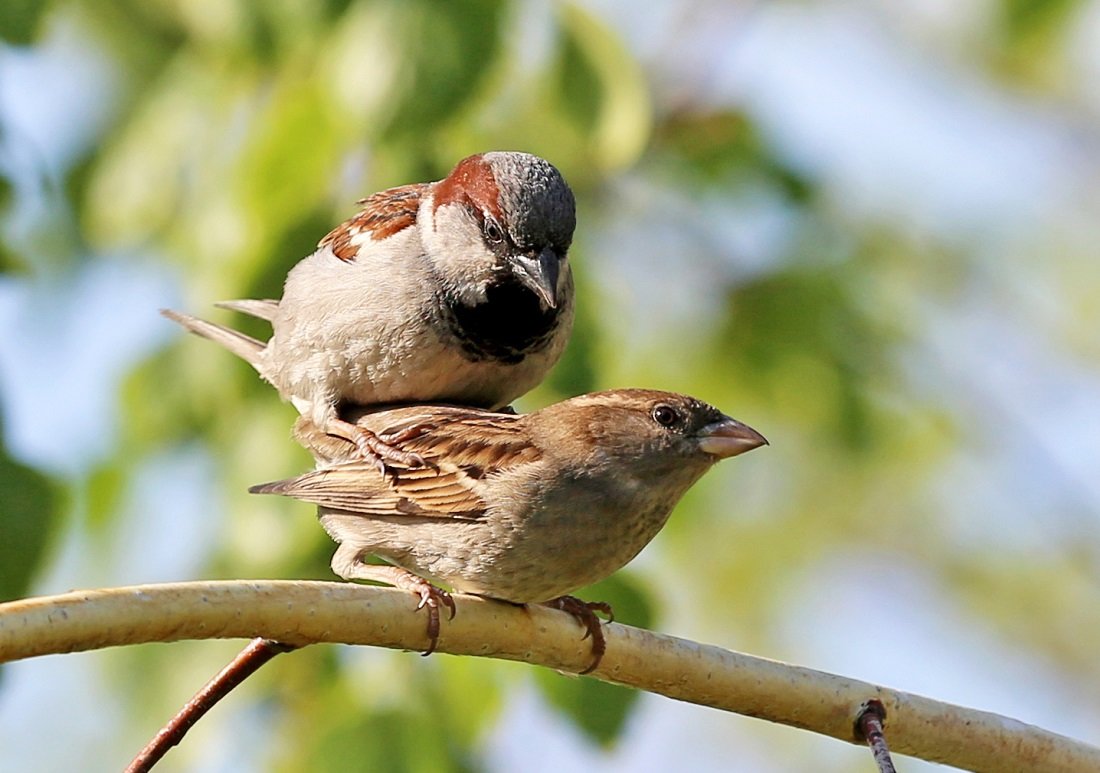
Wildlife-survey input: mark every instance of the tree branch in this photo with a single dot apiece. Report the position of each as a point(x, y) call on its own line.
point(300, 613)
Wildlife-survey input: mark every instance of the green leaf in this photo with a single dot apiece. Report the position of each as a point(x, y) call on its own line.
point(285, 166)
point(603, 88)
point(448, 48)
point(367, 716)
point(104, 494)
point(598, 708)
point(19, 20)
point(386, 740)
point(9, 260)
point(336, 8)
point(725, 150)
point(804, 325)
point(30, 513)
point(1023, 19)
point(579, 81)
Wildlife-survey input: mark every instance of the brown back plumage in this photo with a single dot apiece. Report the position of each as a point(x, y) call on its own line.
point(383, 214)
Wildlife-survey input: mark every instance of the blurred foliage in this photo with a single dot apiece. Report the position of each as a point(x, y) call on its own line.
point(1025, 20)
point(724, 149)
point(598, 708)
point(19, 20)
point(808, 319)
point(237, 133)
point(429, 729)
point(9, 259)
point(31, 516)
point(1030, 45)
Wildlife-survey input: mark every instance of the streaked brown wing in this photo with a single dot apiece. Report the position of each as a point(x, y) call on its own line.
point(477, 442)
point(360, 488)
point(463, 446)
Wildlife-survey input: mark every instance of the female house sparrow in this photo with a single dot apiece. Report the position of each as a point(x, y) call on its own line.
point(455, 291)
point(522, 508)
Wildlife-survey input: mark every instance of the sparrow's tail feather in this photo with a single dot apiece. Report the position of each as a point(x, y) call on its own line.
point(307, 487)
point(280, 487)
point(261, 309)
point(244, 346)
point(361, 491)
point(365, 500)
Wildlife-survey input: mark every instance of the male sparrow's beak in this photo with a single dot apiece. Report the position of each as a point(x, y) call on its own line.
point(729, 437)
point(540, 274)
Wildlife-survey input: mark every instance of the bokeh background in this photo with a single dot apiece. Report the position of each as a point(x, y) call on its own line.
point(868, 229)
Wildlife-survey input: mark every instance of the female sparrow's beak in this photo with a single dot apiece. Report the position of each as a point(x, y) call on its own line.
point(540, 274)
point(729, 437)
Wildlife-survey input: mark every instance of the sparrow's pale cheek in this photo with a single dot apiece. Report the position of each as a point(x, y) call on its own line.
point(729, 438)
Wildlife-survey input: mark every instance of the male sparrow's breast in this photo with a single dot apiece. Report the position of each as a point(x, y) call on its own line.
point(508, 326)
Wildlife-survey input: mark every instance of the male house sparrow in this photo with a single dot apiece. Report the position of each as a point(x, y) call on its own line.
point(522, 508)
point(455, 291)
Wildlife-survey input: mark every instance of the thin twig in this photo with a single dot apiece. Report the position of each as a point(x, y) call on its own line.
point(245, 664)
point(869, 726)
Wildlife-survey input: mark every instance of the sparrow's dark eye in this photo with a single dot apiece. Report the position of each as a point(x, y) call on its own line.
point(665, 415)
point(494, 234)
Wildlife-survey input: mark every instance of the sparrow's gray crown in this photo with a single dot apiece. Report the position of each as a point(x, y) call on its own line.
point(535, 202)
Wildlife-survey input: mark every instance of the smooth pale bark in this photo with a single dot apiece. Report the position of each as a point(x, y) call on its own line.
point(301, 613)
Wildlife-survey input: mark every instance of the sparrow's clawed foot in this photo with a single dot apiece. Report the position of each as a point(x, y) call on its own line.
point(431, 597)
point(585, 613)
point(348, 563)
point(381, 452)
